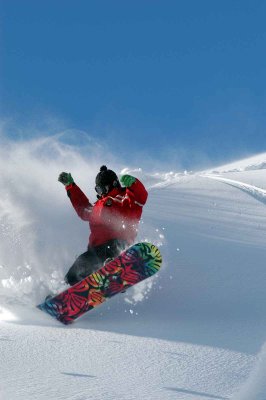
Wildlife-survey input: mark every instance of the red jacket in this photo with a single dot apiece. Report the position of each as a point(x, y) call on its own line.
point(114, 216)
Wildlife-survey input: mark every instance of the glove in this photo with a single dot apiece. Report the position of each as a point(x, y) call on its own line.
point(65, 178)
point(127, 180)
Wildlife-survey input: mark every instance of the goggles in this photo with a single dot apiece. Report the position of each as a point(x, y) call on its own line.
point(101, 190)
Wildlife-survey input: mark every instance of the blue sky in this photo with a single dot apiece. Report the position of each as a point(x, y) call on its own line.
point(176, 81)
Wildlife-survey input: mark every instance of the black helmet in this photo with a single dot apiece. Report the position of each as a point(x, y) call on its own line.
point(105, 181)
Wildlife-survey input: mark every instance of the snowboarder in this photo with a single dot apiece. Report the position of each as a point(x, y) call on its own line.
point(113, 218)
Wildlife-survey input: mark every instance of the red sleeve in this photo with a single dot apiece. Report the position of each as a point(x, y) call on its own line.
point(137, 193)
point(79, 201)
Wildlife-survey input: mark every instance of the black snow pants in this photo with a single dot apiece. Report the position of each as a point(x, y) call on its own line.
point(93, 259)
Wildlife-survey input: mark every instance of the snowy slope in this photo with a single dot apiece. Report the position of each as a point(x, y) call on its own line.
point(194, 331)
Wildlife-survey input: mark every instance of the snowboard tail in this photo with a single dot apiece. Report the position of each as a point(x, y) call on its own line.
point(135, 264)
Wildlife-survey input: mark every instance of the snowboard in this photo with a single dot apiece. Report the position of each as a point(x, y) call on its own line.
point(135, 264)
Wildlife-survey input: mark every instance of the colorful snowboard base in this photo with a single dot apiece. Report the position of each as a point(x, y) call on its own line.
point(135, 264)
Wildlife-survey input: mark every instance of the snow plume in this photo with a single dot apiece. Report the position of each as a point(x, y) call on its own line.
point(33, 210)
point(255, 387)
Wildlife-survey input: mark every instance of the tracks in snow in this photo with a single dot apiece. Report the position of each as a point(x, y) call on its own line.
point(254, 191)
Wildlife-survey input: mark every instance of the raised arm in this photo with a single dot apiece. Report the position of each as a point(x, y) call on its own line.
point(78, 199)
